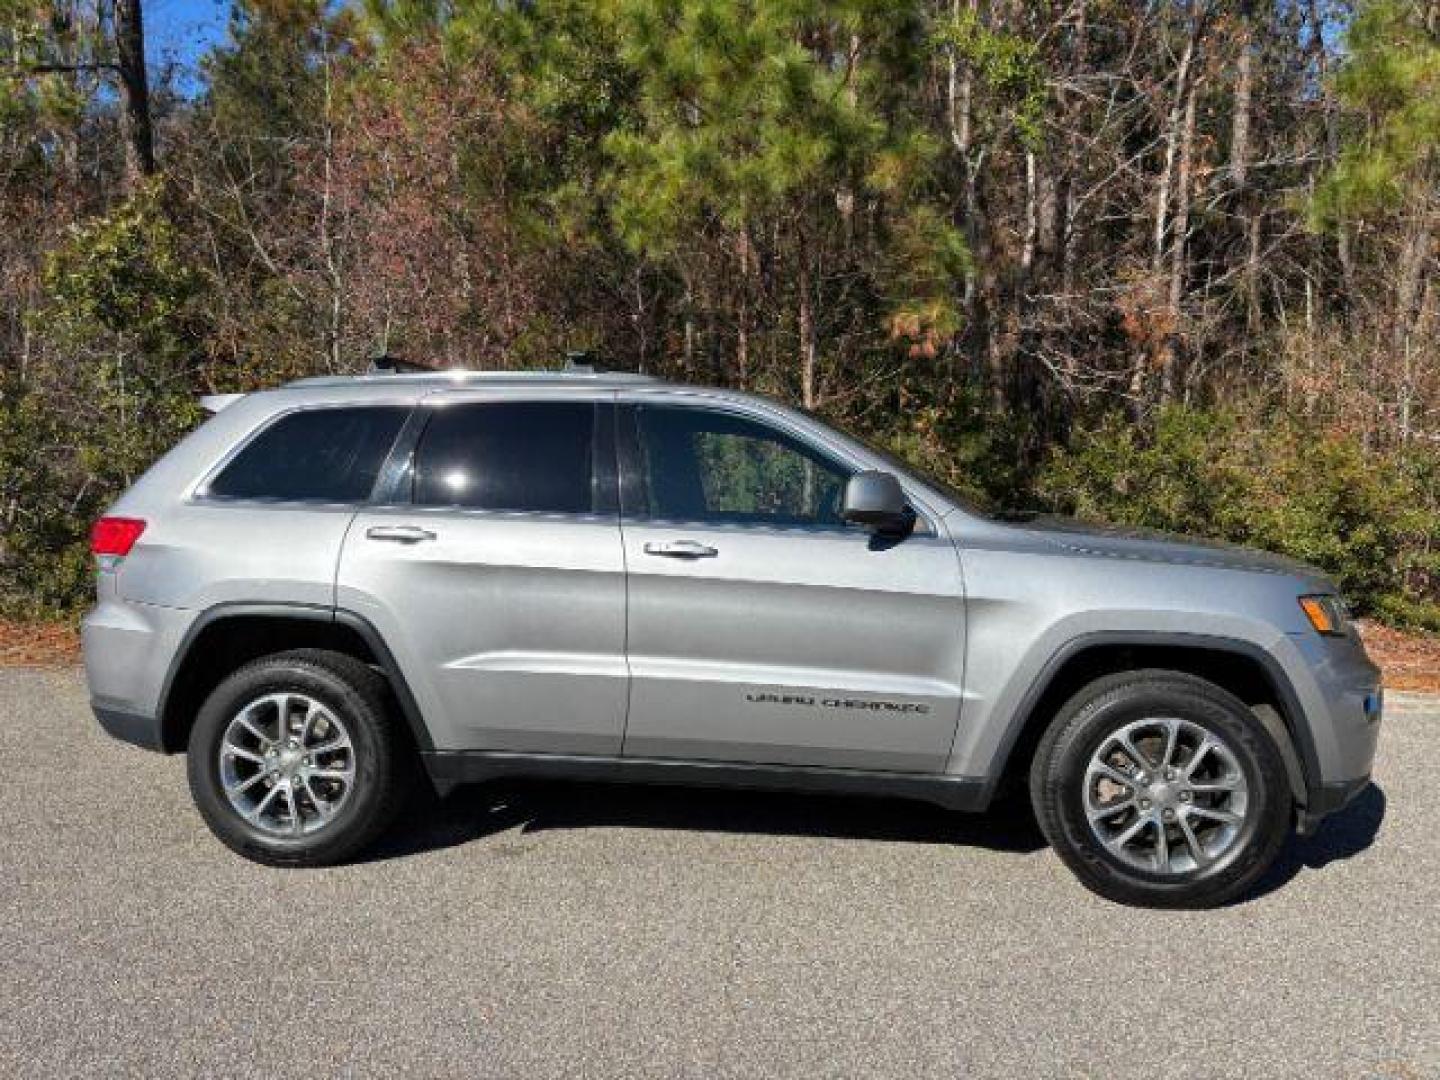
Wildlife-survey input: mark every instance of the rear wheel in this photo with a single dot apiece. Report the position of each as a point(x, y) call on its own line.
point(1161, 789)
point(294, 759)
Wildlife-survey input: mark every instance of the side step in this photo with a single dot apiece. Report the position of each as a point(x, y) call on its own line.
point(449, 768)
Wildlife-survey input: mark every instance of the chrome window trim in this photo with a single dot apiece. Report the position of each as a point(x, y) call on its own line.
point(433, 510)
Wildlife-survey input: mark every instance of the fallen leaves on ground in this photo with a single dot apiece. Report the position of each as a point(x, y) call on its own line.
point(38, 644)
point(1410, 661)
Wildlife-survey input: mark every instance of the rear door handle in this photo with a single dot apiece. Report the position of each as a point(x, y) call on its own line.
point(399, 534)
point(681, 549)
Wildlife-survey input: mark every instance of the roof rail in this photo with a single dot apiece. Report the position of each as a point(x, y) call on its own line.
point(583, 362)
point(461, 376)
point(385, 364)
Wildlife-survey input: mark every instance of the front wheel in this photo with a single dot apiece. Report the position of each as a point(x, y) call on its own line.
point(1160, 789)
point(294, 760)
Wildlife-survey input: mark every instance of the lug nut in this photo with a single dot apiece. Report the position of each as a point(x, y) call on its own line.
point(1169, 815)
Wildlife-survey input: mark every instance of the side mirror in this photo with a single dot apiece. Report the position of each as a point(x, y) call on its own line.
point(875, 499)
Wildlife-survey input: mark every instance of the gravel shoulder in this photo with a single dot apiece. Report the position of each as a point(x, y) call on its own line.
point(587, 931)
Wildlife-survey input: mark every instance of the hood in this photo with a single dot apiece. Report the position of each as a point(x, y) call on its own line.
point(1151, 545)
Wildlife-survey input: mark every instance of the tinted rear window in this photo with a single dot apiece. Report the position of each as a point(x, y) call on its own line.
point(321, 455)
point(535, 456)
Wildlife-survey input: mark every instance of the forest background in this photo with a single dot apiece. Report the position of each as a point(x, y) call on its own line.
point(1165, 264)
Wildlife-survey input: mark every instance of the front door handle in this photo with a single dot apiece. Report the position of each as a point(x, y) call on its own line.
point(399, 534)
point(681, 549)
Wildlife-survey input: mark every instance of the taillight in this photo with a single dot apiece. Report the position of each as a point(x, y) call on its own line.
point(111, 538)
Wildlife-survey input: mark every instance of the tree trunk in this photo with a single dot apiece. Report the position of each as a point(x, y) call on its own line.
point(1319, 57)
point(1409, 293)
point(1032, 220)
point(1244, 93)
point(1169, 375)
point(334, 354)
point(742, 327)
point(960, 87)
point(134, 91)
point(1252, 219)
point(1075, 154)
point(638, 317)
point(1181, 110)
point(1172, 148)
point(1240, 165)
point(959, 101)
point(1028, 385)
point(806, 319)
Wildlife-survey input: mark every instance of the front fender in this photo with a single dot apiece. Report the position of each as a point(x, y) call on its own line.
point(1015, 707)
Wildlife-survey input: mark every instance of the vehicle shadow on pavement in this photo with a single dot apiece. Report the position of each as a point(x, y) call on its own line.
point(472, 813)
point(1340, 836)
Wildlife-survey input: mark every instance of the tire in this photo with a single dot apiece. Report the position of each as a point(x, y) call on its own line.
point(329, 697)
point(1217, 827)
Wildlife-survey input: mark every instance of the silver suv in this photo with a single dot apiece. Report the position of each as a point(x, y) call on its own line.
point(338, 587)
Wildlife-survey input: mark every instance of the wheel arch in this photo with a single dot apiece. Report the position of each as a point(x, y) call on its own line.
point(1238, 666)
point(226, 636)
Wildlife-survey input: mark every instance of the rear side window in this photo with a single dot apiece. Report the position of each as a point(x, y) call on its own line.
point(320, 455)
point(521, 456)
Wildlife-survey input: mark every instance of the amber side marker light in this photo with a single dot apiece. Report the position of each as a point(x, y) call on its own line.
point(1326, 614)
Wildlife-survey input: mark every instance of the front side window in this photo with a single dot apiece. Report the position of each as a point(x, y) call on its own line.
point(702, 465)
point(318, 455)
point(521, 456)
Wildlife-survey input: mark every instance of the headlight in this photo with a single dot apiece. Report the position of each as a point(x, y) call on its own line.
point(1327, 614)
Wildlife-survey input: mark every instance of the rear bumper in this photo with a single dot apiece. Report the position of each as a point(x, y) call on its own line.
point(135, 728)
point(128, 648)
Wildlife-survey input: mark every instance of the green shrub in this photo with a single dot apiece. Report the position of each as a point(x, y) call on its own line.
point(958, 438)
point(109, 391)
point(1368, 519)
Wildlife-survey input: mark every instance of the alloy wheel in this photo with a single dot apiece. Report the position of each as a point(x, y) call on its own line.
point(1166, 796)
point(287, 765)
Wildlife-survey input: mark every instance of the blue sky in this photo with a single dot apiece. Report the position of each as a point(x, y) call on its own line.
point(179, 32)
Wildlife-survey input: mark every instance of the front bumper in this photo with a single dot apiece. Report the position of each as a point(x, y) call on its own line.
point(1326, 799)
point(1337, 716)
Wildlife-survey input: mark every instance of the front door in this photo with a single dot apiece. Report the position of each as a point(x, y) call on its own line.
point(761, 627)
point(495, 574)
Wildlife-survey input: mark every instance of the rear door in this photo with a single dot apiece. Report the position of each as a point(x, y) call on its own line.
point(495, 573)
point(762, 628)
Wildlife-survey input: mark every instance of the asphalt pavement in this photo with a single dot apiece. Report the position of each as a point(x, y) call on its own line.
point(549, 931)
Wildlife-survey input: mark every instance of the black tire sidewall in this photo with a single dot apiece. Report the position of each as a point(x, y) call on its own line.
point(1062, 762)
point(374, 764)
